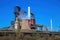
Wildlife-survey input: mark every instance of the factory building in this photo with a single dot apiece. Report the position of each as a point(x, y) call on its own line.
point(22, 28)
point(23, 23)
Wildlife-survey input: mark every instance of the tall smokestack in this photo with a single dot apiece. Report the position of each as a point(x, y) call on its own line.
point(28, 12)
point(51, 24)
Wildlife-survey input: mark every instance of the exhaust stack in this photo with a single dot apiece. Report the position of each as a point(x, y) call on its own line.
point(51, 24)
point(29, 12)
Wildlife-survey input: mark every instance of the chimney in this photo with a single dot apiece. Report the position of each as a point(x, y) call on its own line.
point(51, 24)
point(28, 12)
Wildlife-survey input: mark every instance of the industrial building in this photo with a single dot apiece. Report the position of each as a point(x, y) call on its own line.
point(25, 28)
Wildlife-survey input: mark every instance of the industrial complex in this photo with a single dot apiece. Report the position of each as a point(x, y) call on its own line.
point(25, 28)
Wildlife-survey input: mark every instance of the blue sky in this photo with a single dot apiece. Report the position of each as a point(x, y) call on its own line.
point(44, 10)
